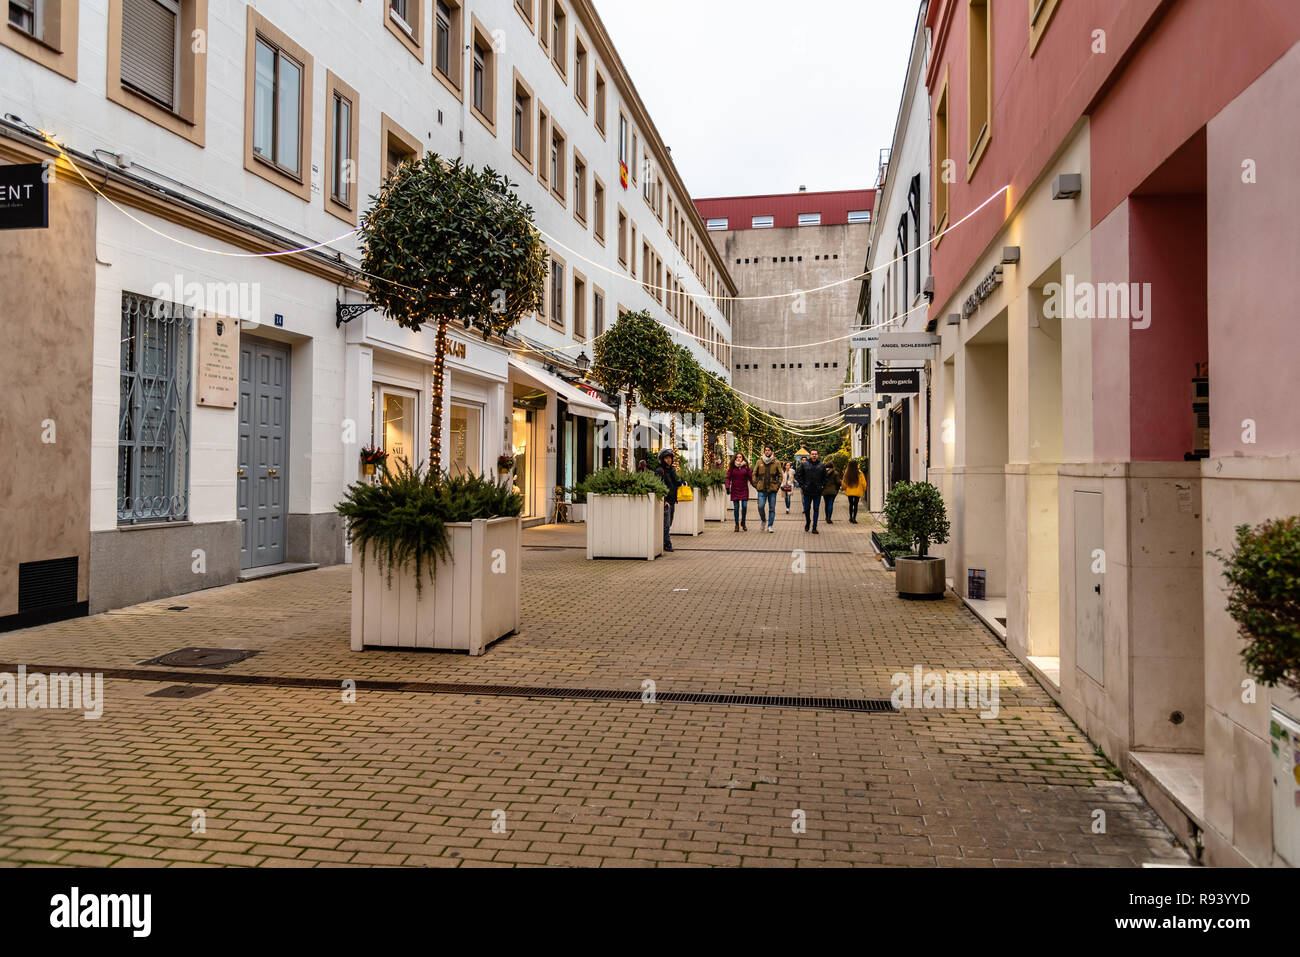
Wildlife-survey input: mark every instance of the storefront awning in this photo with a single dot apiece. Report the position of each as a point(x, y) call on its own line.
point(578, 401)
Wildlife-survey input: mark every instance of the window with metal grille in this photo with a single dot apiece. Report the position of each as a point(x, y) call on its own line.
point(153, 457)
point(151, 52)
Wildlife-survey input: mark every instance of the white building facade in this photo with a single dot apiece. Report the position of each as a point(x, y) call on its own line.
point(227, 394)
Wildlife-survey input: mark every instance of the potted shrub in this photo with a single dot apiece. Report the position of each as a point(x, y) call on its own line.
point(625, 514)
point(914, 511)
point(1263, 574)
point(688, 519)
point(436, 561)
point(372, 459)
point(709, 485)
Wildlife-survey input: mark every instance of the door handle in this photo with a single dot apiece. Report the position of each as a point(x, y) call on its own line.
point(277, 472)
point(1097, 589)
point(239, 471)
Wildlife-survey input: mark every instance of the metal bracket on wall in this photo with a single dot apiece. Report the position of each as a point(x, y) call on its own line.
point(346, 312)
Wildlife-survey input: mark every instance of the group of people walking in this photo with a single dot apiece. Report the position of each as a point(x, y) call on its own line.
point(818, 482)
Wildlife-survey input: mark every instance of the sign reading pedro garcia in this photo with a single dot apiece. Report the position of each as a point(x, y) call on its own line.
point(24, 197)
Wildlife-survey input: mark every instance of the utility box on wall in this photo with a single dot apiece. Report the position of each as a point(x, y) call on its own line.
point(1284, 736)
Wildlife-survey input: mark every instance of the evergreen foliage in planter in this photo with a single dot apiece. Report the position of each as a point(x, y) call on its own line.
point(403, 519)
point(635, 357)
point(617, 481)
point(1263, 574)
point(443, 242)
point(915, 513)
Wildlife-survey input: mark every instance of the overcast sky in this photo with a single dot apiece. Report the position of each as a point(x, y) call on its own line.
point(793, 95)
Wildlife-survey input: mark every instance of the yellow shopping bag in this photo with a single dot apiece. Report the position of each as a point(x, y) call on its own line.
point(684, 494)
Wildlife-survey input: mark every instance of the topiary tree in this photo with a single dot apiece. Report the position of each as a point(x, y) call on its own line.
point(1263, 574)
point(443, 242)
point(915, 510)
point(685, 396)
point(635, 357)
point(723, 412)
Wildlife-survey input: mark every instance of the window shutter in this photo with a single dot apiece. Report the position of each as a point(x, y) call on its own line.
point(149, 49)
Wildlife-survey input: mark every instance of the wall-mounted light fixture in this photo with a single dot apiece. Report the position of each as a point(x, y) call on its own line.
point(1010, 255)
point(583, 362)
point(954, 318)
point(927, 289)
point(1067, 186)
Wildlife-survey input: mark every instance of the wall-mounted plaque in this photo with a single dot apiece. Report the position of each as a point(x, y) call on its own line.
point(218, 366)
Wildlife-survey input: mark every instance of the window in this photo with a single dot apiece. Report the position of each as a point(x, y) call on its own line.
point(483, 89)
point(631, 258)
point(602, 97)
point(560, 38)
point(278, 113)
point(942, 161)
point(153, 69)
point(556, 311)
point(23, 16)
point(622, 237)
point(810, 219)
point(980, 81)
point(45, 31)
point(859, 216)
point(597, 313)
point(579, 188)
point(544, 23)
point(1040, 15)
point(525, 8)
point(579, 71)
point(399, 146)
point(762, 222)
point(521, 138)
point(622, 138)
point(598, 210)
point(153, 452)
point(717, 225)
point(579, 306)
point(543, 143)
point(341, 149)
point(403, 20)
point(448, 29)
point(559, 147)
point(632, 157)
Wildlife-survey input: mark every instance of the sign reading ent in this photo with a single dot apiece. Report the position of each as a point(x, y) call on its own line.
point(24, 197)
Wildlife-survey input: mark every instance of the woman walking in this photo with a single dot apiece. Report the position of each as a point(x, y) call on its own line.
point(739, 478)
point(854, 487)
point(787, 483)
point(830, 490)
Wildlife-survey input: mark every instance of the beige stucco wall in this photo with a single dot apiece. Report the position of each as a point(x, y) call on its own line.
point(47, 276)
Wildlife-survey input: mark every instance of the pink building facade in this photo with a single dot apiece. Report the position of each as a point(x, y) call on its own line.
point(1135, 154)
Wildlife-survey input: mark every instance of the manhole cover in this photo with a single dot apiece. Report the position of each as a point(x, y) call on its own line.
point(181, 691)
point(200, 658)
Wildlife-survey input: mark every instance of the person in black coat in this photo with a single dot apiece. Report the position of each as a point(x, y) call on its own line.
point(667, 473)
point(810, 476)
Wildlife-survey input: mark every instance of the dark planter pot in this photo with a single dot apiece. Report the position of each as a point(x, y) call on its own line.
point(920, 579)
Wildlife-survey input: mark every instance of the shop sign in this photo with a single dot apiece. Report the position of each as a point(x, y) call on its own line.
point(982, 291)
point(858, 415)
point(898, 382)
point(864, 340)
point(908, 345)
point(455, 349)
point(24, 197)
point(218, 367)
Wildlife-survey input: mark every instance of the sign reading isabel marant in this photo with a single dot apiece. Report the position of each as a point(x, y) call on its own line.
point(24, 196)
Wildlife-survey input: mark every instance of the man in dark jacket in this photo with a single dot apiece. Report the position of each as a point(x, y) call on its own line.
point(667, 473)
point(811, 478)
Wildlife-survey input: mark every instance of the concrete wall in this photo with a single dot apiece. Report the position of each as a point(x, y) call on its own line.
point(47, 278)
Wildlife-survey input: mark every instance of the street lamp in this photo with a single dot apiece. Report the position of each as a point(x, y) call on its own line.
point(583, 363)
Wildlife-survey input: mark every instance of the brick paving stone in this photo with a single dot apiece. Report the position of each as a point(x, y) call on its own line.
point(297, 777)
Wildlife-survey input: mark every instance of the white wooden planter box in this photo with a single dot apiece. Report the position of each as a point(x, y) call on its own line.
point(688, 519)
point(715, 506)
point(625, 526)
point(466, 607)
point(578, 512)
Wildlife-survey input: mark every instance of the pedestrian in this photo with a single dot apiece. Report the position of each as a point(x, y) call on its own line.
point(667, 473)
point(854, 487)
point(787, 484)
point(810, 476)
point(830, 490)
point(739, 478)
point(767, 479)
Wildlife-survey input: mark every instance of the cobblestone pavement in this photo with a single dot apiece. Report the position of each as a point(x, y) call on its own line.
point(292, 776)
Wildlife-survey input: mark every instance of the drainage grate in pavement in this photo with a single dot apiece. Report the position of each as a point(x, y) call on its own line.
point(180, 691)
point(200, 658)
point(860, 705)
